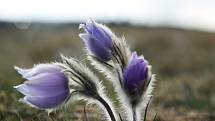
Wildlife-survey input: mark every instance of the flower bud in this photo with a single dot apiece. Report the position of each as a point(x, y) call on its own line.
point(46, 86)
point(135, 76)
point(98, 39)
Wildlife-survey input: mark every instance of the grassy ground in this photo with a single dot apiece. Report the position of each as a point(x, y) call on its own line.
point(183, 61)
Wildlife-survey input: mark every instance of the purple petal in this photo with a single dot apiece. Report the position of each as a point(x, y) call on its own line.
point(44, 91)
point(98, 39)
point(45, 84)
point(48, 79)
point(99, 33)
point(41, 68)
point(90, 25)
point(136, 73)
point(134, 59)
point(48, 102)
point(96, 47)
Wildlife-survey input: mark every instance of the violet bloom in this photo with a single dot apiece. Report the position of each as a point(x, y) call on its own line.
point(46, 86)
point(135, 77)
point(98, 39)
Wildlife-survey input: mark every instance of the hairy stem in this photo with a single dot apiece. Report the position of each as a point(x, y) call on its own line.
point(134, 113)
point(105, 104)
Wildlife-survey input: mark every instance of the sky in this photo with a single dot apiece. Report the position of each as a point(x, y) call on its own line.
point(191, 14)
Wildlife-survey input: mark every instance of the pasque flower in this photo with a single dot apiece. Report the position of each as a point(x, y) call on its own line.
point(98, 39)
point(46, 86)
point(135, 77)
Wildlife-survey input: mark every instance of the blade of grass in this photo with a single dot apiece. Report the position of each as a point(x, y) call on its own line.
point(120, 117)
point(85, 114)
point(155, 118)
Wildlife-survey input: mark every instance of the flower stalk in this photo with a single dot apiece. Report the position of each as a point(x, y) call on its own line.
point(107, 107)
point(134, 113)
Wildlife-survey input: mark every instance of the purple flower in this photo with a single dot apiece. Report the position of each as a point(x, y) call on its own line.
point(136, 75)
point(46, 86)
point(98, 39)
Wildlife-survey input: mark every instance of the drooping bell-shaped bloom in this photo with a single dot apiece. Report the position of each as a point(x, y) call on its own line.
point(135, 76)
point(98, 39)
point(46, 86)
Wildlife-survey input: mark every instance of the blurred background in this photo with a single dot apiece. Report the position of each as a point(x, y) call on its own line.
point(177, 37)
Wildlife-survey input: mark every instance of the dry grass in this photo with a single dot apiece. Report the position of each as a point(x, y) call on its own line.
point(183, 60)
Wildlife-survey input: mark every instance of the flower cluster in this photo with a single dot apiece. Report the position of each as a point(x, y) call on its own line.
point(130, 74)
point(53, 85)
